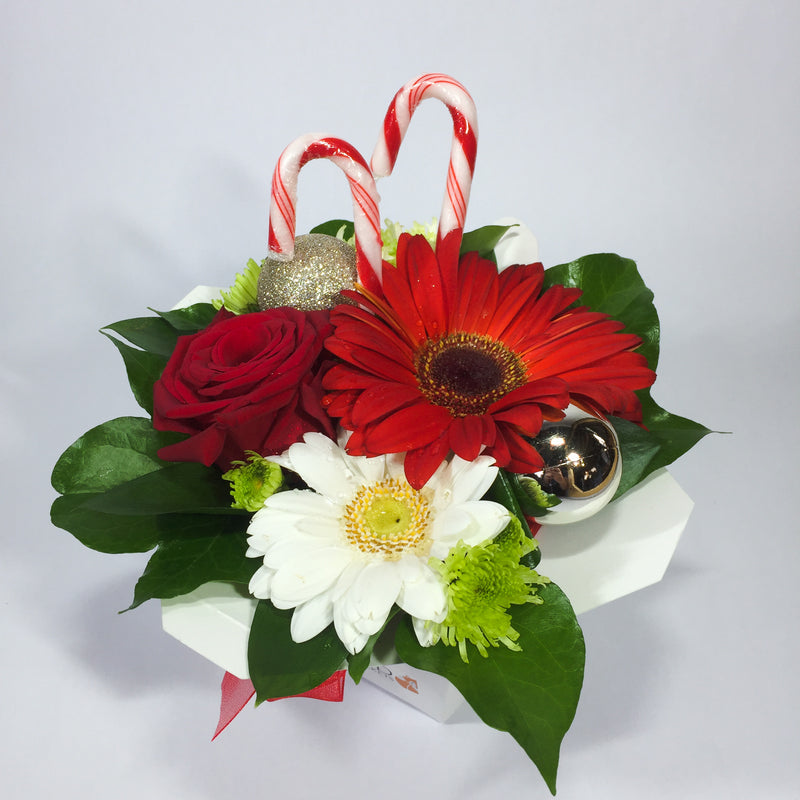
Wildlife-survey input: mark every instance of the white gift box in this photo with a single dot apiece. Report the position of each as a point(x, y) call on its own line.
point(624, 547)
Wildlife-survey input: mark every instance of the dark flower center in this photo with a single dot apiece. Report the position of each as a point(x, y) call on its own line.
point(466, 372)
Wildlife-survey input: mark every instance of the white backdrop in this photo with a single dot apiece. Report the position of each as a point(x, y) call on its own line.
point(138, 141)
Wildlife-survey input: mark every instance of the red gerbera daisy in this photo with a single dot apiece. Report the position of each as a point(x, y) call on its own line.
point(460, 358)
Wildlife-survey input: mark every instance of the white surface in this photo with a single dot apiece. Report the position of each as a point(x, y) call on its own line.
point(623, 548)
point(214, 620)
point(137, 145)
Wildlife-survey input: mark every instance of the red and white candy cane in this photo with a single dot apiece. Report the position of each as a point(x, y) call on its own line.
point(462, 152)
point(283, 201)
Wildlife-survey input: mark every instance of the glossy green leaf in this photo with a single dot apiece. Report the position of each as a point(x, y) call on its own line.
point(194, 550)
point(280, 667)
point(107, 533)
point(484, 240)
point(153, 334)
point(143, 369)
point(531, 694)
point(176, 488)
point(676, 435)
point(190, 319)
point(612, 284)
point(332, 228)
point(637, 449)
point(111, 454)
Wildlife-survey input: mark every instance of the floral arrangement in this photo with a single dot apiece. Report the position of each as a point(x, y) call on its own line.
point(353, 433)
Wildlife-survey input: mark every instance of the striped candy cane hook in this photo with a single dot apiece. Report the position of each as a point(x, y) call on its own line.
point(283, 201)
point(462, 152)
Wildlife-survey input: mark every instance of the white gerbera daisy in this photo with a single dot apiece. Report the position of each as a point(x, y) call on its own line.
point(360, 538)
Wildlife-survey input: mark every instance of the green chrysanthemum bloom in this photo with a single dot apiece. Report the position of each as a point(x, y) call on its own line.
point(242, 297)
point(482, 582)
point(391, 233)
point(253, 481)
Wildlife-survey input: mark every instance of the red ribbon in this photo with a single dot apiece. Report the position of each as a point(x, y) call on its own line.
point(236, 693)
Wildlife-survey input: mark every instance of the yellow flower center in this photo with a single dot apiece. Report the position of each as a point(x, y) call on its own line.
point(467, 372)
point(387, 518)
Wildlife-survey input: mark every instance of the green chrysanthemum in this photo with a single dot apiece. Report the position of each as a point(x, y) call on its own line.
point(391, 233)
point(253, 481)
point(242, 297)
point(481, 584)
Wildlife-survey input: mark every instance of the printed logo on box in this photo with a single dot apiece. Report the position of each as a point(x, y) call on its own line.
point(406, 681)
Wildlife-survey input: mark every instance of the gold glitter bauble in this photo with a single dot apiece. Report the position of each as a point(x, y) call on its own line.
point(322, 266)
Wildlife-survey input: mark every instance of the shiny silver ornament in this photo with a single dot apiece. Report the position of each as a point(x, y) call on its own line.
point(581, 458)
point(321, 267)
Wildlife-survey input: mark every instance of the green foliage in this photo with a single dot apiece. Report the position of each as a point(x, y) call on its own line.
point(280, 667)
point(190, 319)
point(532, 694)
point(194, 550)
point(106, 533)
point(175, 488)
point(613, 286)
point(155, 339)
point(143, 369)
point(110, 454)
point(484, 240)
point(118, 497)
point(340, 228)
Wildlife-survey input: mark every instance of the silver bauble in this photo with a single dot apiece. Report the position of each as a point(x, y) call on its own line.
point(581, 458)
point(321, 267)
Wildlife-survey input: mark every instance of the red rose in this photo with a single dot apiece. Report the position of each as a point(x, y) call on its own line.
point(246, 382)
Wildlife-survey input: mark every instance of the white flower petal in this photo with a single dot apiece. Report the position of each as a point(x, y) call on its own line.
point(425, 636)
point(325, 467)
point(311, 617)
point(458, 481)
point(372, 595)
point(261, 583)
point(297, 502)
point(301, 578)
point(287, 550)
point(424, 597)
point(517, 245)
point(350, 637)
point(473, 522)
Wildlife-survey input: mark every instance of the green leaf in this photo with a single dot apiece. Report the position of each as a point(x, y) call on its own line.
point(676, 435)
point(111, 454)
point(280, 667)
point(153, 334)
point(332, 228)
point(190, 319)
point(143, 369)
point(358, 663)
point(637, 449)
point(612, 285)
point(531, 694)
point(194, 550)
point(484, 240)
point(176, 488)
point(107, 533)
